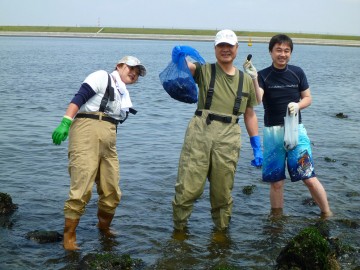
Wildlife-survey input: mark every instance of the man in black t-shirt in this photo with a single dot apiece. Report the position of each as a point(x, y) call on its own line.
point(284, 87)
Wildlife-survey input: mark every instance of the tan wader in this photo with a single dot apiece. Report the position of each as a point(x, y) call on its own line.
point(210, 151)
point(92, 159)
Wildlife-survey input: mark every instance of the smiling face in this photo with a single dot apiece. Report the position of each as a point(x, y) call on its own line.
point(280, 54)
point(128, 74)
point(226, 53)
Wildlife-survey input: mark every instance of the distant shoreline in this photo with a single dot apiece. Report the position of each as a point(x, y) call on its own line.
point(242, 39)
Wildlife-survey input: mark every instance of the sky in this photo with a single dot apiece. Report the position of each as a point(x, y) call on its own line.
point(339, 17)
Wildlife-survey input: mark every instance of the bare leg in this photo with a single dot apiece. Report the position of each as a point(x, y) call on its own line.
point(277, 199)
point(276, 195)
point(318, 193)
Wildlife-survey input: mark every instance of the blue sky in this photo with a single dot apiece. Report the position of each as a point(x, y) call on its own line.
point(305, 16)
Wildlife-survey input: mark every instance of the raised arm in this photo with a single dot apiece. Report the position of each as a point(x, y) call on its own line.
point(251, 70)
point(258, 91)
point(192, 67)
point(181, 51)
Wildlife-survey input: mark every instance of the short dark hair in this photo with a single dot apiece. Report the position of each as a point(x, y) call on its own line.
point(280, 38)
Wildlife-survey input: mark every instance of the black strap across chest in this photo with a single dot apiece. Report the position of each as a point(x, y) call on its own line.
point(109, 93)
point(210, 91)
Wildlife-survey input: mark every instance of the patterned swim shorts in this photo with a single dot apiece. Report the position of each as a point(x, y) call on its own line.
point(298, 160)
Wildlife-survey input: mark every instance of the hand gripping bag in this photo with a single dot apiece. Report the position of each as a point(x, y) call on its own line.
point(177, 79)
point(291, 134)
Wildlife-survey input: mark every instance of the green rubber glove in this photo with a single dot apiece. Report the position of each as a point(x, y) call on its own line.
point(62, 131)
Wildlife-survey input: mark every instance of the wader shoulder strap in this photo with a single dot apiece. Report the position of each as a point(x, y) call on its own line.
point(239, 93)
point(132, 111)
point(210, 92)
point(109, 93)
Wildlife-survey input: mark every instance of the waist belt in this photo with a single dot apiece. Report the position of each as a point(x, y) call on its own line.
point(211, 117)
point(98, 117)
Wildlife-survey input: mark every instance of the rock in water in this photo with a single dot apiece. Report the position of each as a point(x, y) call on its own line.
point(6, 205)
point(44, 236)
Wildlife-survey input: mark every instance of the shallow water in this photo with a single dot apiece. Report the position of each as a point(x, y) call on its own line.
point(38, 78)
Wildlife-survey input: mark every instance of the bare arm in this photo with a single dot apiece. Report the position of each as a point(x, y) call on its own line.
point(192, 67)
point(305, 99)
point(251, 122)
point(252, 72)
point(258, 91)
point(72, 110)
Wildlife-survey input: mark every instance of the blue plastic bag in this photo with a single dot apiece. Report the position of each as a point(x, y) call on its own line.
point(177, 79)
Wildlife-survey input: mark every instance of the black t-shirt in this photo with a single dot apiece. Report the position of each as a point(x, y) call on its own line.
point(281, 86)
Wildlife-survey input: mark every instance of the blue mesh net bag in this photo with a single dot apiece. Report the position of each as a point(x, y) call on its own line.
point(176, 78)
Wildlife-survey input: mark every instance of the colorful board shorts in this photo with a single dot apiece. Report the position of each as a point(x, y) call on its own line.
point(298, 160)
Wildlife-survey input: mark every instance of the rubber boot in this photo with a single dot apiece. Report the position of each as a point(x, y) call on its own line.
point(70, 234)
point(180, 235)
point(104, 223)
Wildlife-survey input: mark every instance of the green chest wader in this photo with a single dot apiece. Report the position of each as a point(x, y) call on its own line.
point(209, 96)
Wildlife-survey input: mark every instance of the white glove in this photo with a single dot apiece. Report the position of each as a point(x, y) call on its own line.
point(293, 107)
point(250, 69)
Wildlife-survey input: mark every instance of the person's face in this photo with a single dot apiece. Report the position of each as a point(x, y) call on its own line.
point(226, 53)
point(280, 55)
point(128, 74)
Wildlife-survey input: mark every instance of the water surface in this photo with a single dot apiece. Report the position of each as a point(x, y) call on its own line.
point(38, 78)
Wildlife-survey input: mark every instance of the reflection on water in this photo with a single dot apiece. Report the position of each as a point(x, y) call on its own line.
point(107, 243)
point(38, 78)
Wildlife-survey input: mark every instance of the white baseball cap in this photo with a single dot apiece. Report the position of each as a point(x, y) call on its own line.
point(133, 62)
point(226, 36)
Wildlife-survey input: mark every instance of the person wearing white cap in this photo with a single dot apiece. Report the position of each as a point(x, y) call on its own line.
point(91, 120)
point(212, 141)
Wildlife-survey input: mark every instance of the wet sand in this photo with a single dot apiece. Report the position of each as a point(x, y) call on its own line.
point(245, 39)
